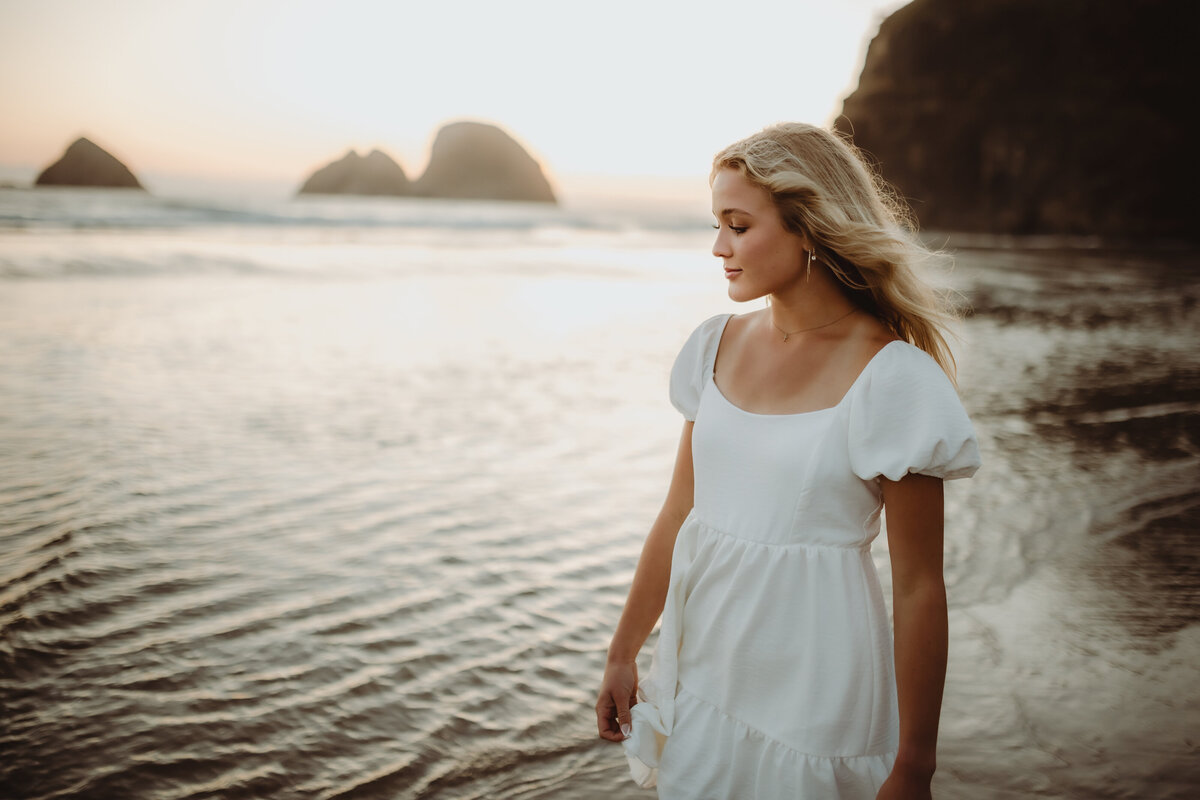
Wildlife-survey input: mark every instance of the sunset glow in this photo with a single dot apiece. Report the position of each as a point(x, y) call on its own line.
point(267, 90)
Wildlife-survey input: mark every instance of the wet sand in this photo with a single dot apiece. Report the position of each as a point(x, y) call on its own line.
point(333, 514)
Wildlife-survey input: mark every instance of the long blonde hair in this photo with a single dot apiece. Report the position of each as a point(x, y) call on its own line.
point(854, 223)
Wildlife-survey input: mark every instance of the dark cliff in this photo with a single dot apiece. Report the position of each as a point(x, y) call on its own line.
point(1034, 116)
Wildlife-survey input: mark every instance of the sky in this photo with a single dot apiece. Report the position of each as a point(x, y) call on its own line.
point(269, 90)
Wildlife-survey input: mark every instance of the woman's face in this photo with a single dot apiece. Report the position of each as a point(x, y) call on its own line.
point(761, 256)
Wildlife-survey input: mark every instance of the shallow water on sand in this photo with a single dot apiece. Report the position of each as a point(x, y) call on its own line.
point(350, 510)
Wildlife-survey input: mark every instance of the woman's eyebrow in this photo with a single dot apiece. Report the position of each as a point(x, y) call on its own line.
point(729, 211)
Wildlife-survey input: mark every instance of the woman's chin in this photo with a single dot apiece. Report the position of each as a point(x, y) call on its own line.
point(742, 294)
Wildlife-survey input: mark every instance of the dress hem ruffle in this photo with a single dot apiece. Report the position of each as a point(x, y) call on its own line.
point(812, 771)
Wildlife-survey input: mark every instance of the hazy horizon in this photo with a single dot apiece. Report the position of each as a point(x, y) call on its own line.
point(261, 94)
point(570, 189)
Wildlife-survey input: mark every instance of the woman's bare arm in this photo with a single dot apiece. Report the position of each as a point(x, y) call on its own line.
point(915, 532)
point(646, 598)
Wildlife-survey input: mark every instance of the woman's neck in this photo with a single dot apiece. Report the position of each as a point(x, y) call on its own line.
point(813, 303)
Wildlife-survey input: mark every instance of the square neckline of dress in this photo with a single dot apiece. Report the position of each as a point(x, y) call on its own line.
point(711, 374)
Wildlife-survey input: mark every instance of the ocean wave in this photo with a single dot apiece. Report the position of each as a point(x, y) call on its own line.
point(91, 209)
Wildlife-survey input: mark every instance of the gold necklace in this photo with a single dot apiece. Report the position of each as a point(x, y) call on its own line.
point(786, 334)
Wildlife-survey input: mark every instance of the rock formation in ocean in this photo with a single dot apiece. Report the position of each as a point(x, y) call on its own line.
point(472, 160)
point(87, 164)
point(1027, 116)
point(375, 174)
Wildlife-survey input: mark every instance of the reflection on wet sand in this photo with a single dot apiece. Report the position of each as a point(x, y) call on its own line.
point(351, 513)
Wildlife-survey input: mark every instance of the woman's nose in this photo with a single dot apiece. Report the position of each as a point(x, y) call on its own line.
point(721, 245)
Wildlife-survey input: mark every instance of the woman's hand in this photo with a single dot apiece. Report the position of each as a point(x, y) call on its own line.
point(906, 784)
point(618, 692)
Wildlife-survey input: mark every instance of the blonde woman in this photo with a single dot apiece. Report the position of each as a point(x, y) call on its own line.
point(775, 674)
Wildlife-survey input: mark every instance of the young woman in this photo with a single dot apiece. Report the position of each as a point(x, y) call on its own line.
point(775, 674)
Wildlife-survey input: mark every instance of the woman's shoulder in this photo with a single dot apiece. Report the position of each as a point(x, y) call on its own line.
point(705, 338)
point(905, 361)
point(903, 376)
point(714, 325)
point(729, 329)
point(906, 416)
point(694, 364)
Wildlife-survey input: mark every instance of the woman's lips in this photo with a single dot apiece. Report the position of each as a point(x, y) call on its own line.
point(730, 272)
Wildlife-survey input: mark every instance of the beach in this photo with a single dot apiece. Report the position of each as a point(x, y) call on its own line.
point(341, 498)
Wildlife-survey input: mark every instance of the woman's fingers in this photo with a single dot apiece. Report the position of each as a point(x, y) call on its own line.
point(623, 719)
point(606, 713)
point(618, 693)
point(612, 716)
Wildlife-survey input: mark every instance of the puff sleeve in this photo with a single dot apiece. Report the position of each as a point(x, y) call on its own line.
point(906, 417)
point(694, 364)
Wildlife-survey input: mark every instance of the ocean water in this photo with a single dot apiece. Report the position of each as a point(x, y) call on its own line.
point(341, 499)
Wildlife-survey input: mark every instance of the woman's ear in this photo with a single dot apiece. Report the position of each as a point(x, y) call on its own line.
point(805, 242)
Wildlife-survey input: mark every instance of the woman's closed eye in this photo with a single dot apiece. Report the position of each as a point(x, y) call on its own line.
point(738, 230)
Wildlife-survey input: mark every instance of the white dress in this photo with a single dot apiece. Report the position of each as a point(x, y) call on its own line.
point(773, 676)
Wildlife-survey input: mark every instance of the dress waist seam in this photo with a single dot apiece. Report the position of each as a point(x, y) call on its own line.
point(775, 740)
point(785, 545)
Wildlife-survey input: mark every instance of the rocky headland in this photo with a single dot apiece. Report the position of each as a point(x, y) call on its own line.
point(1030, 117)
point(375, 174)
point(87, 164)
point(469, 160)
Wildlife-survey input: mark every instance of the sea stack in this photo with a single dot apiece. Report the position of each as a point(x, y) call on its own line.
point(472, 160)
point(376, 174)
point(87, 164)
point(1029, 117)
